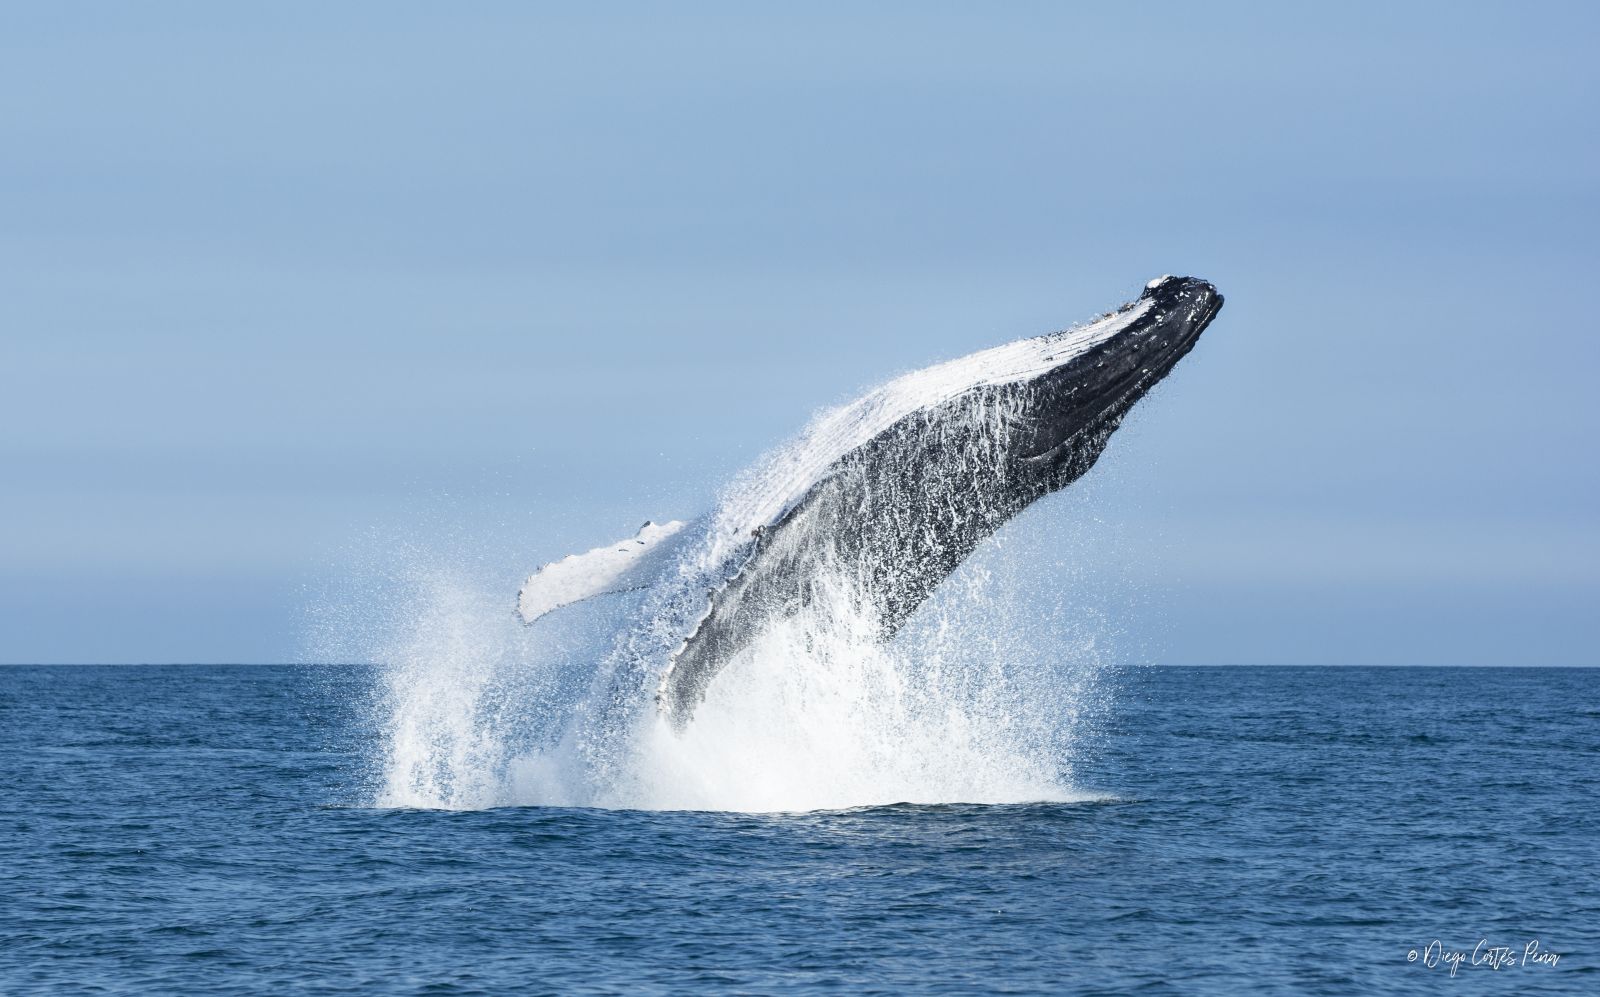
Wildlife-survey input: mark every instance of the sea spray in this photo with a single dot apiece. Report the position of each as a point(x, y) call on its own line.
point(982, 699)
point(465, 692)
point(817, 714)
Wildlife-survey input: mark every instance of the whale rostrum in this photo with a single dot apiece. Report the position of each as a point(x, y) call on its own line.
point(887, 494)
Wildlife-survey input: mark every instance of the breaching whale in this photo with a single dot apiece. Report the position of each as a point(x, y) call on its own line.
point(886, 495)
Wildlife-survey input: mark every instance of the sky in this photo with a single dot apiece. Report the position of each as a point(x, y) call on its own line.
point(289, 291)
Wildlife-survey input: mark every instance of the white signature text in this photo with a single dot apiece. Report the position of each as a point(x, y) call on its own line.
point(1529, 955)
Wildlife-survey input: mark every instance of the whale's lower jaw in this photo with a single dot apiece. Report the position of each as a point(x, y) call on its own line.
point(896, 514)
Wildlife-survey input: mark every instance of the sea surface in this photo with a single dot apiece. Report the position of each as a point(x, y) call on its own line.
point(212, 829)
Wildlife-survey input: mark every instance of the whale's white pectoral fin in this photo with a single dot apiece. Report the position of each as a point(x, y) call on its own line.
point(617, 567)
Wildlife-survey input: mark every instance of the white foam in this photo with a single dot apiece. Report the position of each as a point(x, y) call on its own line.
point(981, 703)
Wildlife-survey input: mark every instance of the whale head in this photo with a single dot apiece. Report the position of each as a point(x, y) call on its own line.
point(1072, 408)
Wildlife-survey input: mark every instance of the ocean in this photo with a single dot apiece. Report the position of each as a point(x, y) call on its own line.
point(217, 829)
point(180, 829)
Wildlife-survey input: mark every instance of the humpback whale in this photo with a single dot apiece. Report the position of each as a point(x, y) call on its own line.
point(886, 495)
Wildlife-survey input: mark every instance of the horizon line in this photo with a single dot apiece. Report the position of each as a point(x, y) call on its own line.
point(1131, 664)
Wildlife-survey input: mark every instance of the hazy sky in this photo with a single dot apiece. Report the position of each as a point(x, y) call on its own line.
point(286, 289)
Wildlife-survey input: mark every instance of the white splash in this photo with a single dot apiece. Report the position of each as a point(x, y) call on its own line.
point(816, 714)
point(981, 701)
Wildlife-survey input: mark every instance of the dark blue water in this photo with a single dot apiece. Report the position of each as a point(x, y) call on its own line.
point(202, 829)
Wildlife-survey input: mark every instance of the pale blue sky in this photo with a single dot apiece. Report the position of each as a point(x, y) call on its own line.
point(283, 288)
